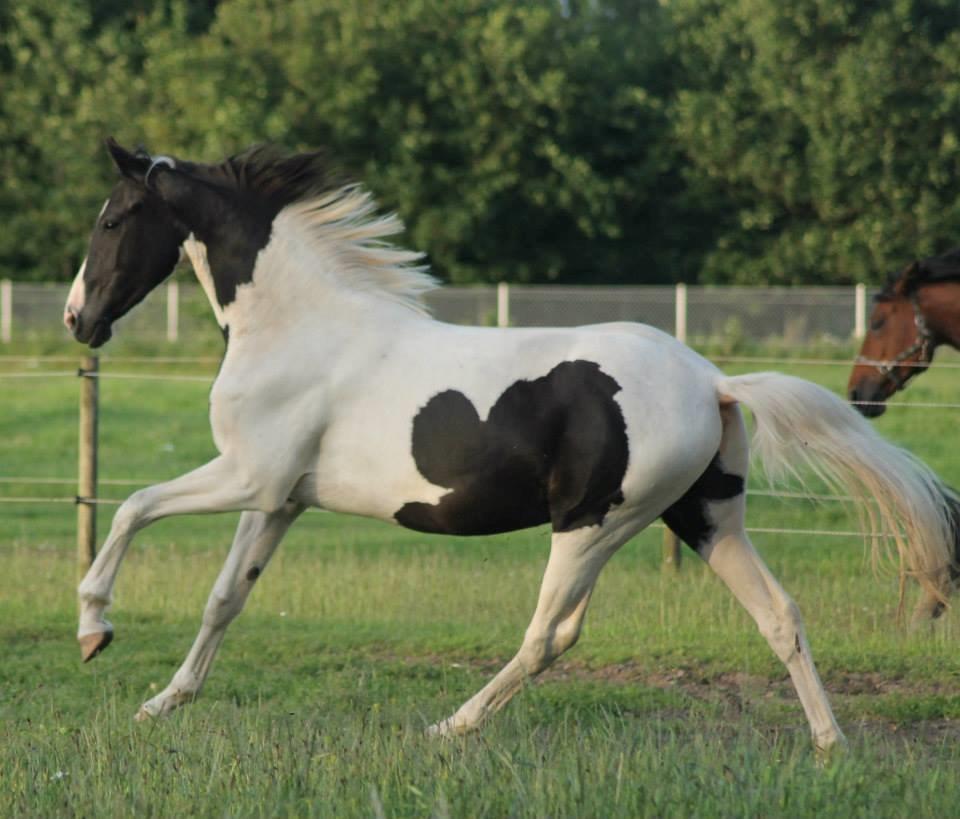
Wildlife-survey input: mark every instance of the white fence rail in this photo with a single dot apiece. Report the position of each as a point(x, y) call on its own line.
point(797, 315)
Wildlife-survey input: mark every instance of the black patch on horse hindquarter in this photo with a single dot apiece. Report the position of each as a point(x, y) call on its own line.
point(688, 516)
point(553, 449)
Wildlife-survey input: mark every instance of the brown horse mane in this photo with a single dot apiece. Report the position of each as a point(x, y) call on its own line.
point(933, 269)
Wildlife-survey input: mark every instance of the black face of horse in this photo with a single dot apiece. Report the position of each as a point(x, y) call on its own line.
point(135, 245)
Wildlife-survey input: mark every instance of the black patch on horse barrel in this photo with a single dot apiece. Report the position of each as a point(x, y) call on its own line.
point(688, 517)
point(553, 449)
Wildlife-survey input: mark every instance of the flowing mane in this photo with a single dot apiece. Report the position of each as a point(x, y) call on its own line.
point(337, 215)
point(344, 225)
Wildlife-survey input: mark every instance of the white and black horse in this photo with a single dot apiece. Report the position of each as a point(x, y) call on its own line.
point(337, 390)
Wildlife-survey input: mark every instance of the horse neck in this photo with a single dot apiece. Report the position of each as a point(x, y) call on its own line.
point(288, 287)
point(940, 303)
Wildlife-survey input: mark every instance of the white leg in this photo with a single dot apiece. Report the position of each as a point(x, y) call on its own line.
point(576, 559)
point(214, 487)
point(734, 559)
point(258, 536)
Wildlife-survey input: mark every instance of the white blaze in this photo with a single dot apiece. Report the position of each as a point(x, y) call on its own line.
point(75, 298)
point(77, 294)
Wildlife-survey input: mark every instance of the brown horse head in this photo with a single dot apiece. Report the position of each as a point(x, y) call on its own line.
point(898, 345)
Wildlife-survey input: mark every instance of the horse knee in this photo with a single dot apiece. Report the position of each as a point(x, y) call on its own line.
point(130, 516)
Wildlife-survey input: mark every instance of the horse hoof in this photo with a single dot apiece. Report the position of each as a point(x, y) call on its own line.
point(830, 749)
point(143, 715)
point(92, 644)
point(448, 728)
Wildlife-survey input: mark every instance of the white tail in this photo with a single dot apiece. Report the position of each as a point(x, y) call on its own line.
point(900, 501)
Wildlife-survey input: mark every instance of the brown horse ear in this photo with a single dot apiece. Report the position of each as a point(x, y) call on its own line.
point(131, 165)
point(908, 280)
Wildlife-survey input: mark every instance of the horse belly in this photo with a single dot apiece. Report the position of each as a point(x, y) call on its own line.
point(552, 449)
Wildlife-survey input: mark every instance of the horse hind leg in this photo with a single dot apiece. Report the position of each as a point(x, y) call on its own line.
point(576, 559)
point(932, 605)
point(722, 542)
point(732, 556)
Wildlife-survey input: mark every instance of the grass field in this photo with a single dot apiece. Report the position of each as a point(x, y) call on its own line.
point(361, 634)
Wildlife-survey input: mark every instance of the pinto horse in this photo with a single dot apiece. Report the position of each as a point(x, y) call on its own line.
point(916, 312)
point(337, 390)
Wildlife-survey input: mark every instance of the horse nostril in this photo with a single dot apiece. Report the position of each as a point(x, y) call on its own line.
point(70, 318)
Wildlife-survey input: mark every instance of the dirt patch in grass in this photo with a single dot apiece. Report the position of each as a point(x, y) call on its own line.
point(739, 692)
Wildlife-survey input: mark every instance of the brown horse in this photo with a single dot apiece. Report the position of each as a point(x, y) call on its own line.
point(916, 312)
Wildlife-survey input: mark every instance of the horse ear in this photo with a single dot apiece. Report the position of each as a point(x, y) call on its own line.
point(908, 280)
point(133, 166)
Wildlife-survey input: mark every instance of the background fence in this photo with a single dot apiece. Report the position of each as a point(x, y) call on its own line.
point(794, 315)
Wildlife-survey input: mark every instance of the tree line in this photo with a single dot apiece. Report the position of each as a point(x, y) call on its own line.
point(577, 141)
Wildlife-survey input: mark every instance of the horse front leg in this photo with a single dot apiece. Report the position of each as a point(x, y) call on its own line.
point(213, 487)
point(257, 538)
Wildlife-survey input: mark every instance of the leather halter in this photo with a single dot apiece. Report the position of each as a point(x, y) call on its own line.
point(923, 345)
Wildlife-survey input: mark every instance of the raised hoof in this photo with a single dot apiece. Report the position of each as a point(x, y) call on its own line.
point(92, 644)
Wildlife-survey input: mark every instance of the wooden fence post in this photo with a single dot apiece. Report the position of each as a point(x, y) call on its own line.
point(672, 552)
point(87, 459)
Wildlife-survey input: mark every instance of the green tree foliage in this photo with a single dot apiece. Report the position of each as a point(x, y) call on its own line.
point(480, 122)
point(826, 130)
point(70, 73)
point(604, 140)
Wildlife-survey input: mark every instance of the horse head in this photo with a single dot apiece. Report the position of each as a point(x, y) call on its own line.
point(134, 246)
point(898, 344)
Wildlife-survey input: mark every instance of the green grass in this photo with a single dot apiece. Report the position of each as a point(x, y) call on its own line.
point(360, 634)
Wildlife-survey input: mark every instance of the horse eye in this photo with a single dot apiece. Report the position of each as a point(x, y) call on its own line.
point(878, 323)
point(109, 224)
